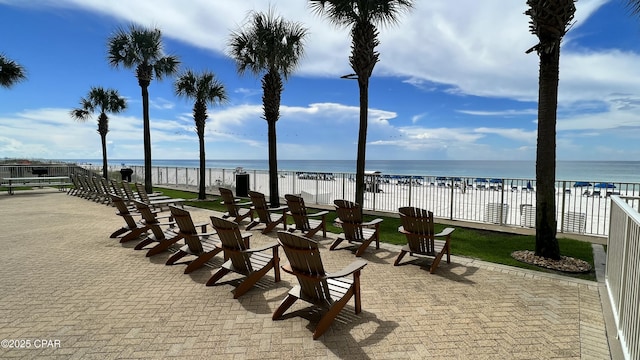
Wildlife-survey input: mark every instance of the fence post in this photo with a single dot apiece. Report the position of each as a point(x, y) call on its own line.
point(410, 187)
point(561, 215)
point(501, 211)
point(451, 202)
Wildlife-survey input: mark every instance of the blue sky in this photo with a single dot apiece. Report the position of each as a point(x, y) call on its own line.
point(453, 83)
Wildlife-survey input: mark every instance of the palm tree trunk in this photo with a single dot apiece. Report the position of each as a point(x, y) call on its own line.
point(363, 85)
point(201, 189)
point(271, 93)
point(546, 224)
point(274, 195)
point(148, 186)
point(105, 173)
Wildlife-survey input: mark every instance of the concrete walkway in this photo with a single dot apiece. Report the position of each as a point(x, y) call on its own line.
point(64, 281)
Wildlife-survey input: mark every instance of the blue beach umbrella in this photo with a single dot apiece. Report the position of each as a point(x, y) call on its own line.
point(496, 181)
point(605, 186)
point(481, 180)
point(582, 184)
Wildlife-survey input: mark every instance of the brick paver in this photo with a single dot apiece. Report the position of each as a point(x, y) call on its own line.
point(64, 280)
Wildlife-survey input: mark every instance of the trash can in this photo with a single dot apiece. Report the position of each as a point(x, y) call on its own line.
point(126, 174)
point(242, 184)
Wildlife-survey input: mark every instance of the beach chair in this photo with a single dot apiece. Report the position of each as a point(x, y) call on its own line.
point(133, 229)
point(418, 227)
point(156, 201)
point(252, 263)
point(331, 292)
point(76, 188)
point(201, 245)
point(235, 209)
point(301, 217)
point(354, 228)
point(117, 189)
point(101, 195)
point(165, 237)
point(261, 208)
point(92, 191)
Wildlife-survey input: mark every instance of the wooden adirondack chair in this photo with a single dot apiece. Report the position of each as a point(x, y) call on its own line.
point(133, 227)
point(116, 188)
point(156, 201)
point(200, 245)
point(301, 217)
point(354, 228)
point(164, 237)
point(252, 263)
point(328, 291)
point(102, 195)
point(418, 227)
point(235, 209)
point(263, 210)
point(76, 189)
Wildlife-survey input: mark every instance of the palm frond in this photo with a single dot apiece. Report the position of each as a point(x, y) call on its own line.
point(349, 12)
point(268, 42)
point(10, 72)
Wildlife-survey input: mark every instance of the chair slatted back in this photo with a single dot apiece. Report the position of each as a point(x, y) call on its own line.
point(96, 185)
point(105, 186)
point(260, 206)
point(89, 183)
point(187, 229)
point(74, 180)
point(298, 211)
point(126, 187)
point(149, 219)
point(350, 215)
point(117, 189)
point(123, 211)
point(229, 200)
point(419, 227)
point(142, 193)
point(233, 244)
point(306, 263)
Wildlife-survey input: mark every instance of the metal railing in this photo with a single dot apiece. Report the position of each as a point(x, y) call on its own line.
point(581, 207)
point(622, 273)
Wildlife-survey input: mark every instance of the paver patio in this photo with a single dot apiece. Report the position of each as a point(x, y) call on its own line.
point(63, 279)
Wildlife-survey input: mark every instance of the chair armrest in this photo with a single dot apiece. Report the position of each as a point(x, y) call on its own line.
point(264, 248)
point(372, 222)
point(350, 269)
point(206, 234)
point(238, 204)
point(321, 213)
point(203, 226)
point(279, 208)
point(446, 232)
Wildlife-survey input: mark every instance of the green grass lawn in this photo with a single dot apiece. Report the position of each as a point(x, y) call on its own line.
point(491, 246)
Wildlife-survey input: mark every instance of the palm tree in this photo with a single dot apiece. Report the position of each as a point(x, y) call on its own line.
point(10, 72)
point(362, 16)
point(141, 49)
point(550, 21)
point(105, 101)
point(204, 89)
point(272, 47)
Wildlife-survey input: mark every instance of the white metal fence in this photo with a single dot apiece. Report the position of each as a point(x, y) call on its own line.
point(582, 207)
point(622, 274)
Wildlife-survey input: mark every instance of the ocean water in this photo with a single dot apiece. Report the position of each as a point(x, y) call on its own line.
point(592, 171)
